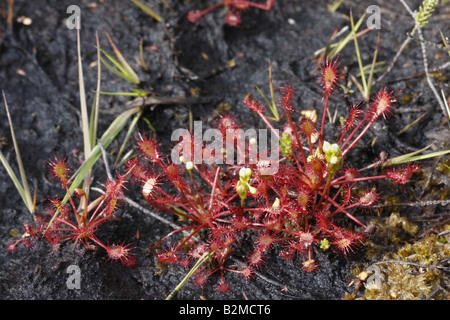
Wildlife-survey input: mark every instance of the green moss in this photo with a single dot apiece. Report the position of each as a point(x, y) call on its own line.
point(394, 230)
point(406, 99)
point(444, 167)
point(14, 232)
point(412, 272)
point(439, 76)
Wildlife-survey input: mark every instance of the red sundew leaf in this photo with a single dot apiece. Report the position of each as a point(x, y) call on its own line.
point(253, 104)
point(286, 95)
point(329, 76)
point(60, 169)
point(382, 103)
point(148, 147)
point(401, 175)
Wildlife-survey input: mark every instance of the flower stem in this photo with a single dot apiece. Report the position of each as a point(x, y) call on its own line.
point(325, 108)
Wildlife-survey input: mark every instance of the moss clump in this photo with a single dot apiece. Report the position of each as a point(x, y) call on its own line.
point(418, 270)
point(394, 231)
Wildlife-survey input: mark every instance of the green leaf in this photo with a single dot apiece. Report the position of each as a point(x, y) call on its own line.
point(25, 197)
point(83, 105)
point(23, 187)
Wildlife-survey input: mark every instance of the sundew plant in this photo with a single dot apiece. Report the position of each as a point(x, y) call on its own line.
point(296, 207)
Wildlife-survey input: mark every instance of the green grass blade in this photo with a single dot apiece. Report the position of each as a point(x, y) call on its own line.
point(135, 93)
point(16, 182)
point(341, 44)
point(378, 67)
point(96, 104)
point(83, 105)
point(26, 194)
point(119, 70)
point(272, 105)
point(199, 262)
point(125, 158)
point(423, 156)
point(150, 126)
point(127, 137)
point(372, 68)
point(263, 97)
point(114, 61)
point(147, 10)
point(85, 127)
point(141, 55)
point(414, 156)
point(125, 94)
point(409, 125)
point(332, 7)
point(446, 101)
point(273, 108)
point(128, 70)
point(358, 55)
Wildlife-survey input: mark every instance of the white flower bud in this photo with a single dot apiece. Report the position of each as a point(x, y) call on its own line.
point(189, 165)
